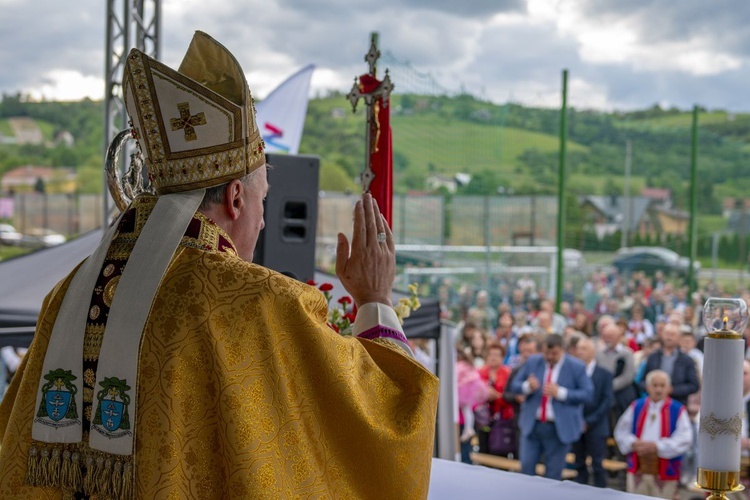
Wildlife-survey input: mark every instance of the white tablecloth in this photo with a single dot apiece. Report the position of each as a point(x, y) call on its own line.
point(455, 480)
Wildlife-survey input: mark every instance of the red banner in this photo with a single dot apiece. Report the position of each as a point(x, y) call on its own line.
point(381, 149)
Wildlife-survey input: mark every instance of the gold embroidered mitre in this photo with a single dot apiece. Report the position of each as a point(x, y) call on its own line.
point(195, 127)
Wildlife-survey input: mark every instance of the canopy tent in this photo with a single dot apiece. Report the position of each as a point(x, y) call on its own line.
point(26, 280)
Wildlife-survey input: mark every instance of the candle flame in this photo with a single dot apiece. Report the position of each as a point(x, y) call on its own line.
point(726, 318)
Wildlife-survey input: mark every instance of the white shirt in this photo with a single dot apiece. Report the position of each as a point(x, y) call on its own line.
point(373, 314)
point(673, 446)
point(646, 329)
point(590, 368)
point(562, 392)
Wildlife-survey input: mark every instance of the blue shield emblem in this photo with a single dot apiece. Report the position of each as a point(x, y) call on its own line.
point(57, 403)
point(111, 414)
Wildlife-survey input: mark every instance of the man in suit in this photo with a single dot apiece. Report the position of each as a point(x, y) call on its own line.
point(617, 358)
point(528, 345)
point(678, 365)
point(556, 388)
point(593, 441)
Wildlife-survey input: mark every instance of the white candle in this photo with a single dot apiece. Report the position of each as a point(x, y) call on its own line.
point(722, 408)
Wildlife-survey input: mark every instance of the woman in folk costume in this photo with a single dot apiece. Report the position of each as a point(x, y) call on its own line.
point(654, 433)
point(169, 366)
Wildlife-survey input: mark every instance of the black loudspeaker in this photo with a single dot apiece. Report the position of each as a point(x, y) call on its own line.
point(287, 243)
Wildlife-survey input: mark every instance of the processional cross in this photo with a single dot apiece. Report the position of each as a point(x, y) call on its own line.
point(374, 92)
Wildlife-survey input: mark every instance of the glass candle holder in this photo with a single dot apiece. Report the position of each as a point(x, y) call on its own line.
point(728, 315)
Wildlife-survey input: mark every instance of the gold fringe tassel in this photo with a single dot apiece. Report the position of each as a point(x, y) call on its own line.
point(54, 468)
point(127, 481)
point(66, 471)
point(43, 470)
point(76, 479)
point(110, 476)
point(88, 481)
point(103, 484)
point(116, 480)
point(32, 467)
point(96, 473)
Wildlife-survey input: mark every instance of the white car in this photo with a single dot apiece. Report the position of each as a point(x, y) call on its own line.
point(44, 237)
point(9, 235)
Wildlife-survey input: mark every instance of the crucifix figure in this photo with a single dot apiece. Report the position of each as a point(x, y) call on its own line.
point(375, 94)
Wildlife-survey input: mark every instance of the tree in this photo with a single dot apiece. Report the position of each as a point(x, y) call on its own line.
point(484, 182)
point(334, 178)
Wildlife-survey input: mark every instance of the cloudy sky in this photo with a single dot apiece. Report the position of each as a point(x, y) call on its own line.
point(620, 54)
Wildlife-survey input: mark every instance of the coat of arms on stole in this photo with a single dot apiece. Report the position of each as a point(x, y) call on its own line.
point(111, 418)
point(58, 399)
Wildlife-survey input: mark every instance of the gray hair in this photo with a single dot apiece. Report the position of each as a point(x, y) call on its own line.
point(657, 373)
point(215, 195)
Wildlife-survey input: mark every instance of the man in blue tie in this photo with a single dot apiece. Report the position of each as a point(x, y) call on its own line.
point(556, 388)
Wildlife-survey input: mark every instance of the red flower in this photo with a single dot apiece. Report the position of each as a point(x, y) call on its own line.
point(351, 317)
point(326, 287)
point(345, 300)
point(311, 282)
point(335, 328)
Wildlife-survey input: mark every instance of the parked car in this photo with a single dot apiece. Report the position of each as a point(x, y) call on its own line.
point(43, 237)
point(652, 259)
point(9, 235)
point(573, 259)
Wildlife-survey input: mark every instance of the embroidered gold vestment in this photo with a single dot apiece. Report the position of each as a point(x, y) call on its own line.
point(244, 391)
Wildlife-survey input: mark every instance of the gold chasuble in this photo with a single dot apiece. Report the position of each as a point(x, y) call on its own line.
point(243, 390)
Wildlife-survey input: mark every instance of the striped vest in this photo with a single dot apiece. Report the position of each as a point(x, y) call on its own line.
point(669, 469)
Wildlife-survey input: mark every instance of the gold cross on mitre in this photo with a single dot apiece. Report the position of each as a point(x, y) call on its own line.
point(187, 122)
point(383, 91)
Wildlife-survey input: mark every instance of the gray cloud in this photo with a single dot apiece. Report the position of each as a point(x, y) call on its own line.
point(453, 41)
point(463, 9)
point(46, 35)
point(720, 23)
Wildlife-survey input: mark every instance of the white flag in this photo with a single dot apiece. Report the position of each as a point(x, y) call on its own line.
point(281, 115)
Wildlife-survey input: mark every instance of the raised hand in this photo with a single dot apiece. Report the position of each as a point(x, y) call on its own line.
point(367, 267)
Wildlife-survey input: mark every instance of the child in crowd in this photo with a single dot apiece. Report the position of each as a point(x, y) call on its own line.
point(472, 391)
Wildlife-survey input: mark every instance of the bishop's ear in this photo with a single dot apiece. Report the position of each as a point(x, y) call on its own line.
point(233, 199)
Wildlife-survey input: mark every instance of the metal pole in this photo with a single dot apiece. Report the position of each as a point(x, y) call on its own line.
point(714, 256)
point(487, 242)
point(627, 209)
point(533, 218)
point(403, 218)
point(692, 240)
point(561, 191)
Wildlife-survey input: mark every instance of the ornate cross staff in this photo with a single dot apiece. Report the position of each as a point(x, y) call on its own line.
point(377, 174)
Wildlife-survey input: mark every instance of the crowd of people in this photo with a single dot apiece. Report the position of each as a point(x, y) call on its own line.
point(535, 384)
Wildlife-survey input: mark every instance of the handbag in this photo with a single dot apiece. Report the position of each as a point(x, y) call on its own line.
point(482, 416)
point(503, 438)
